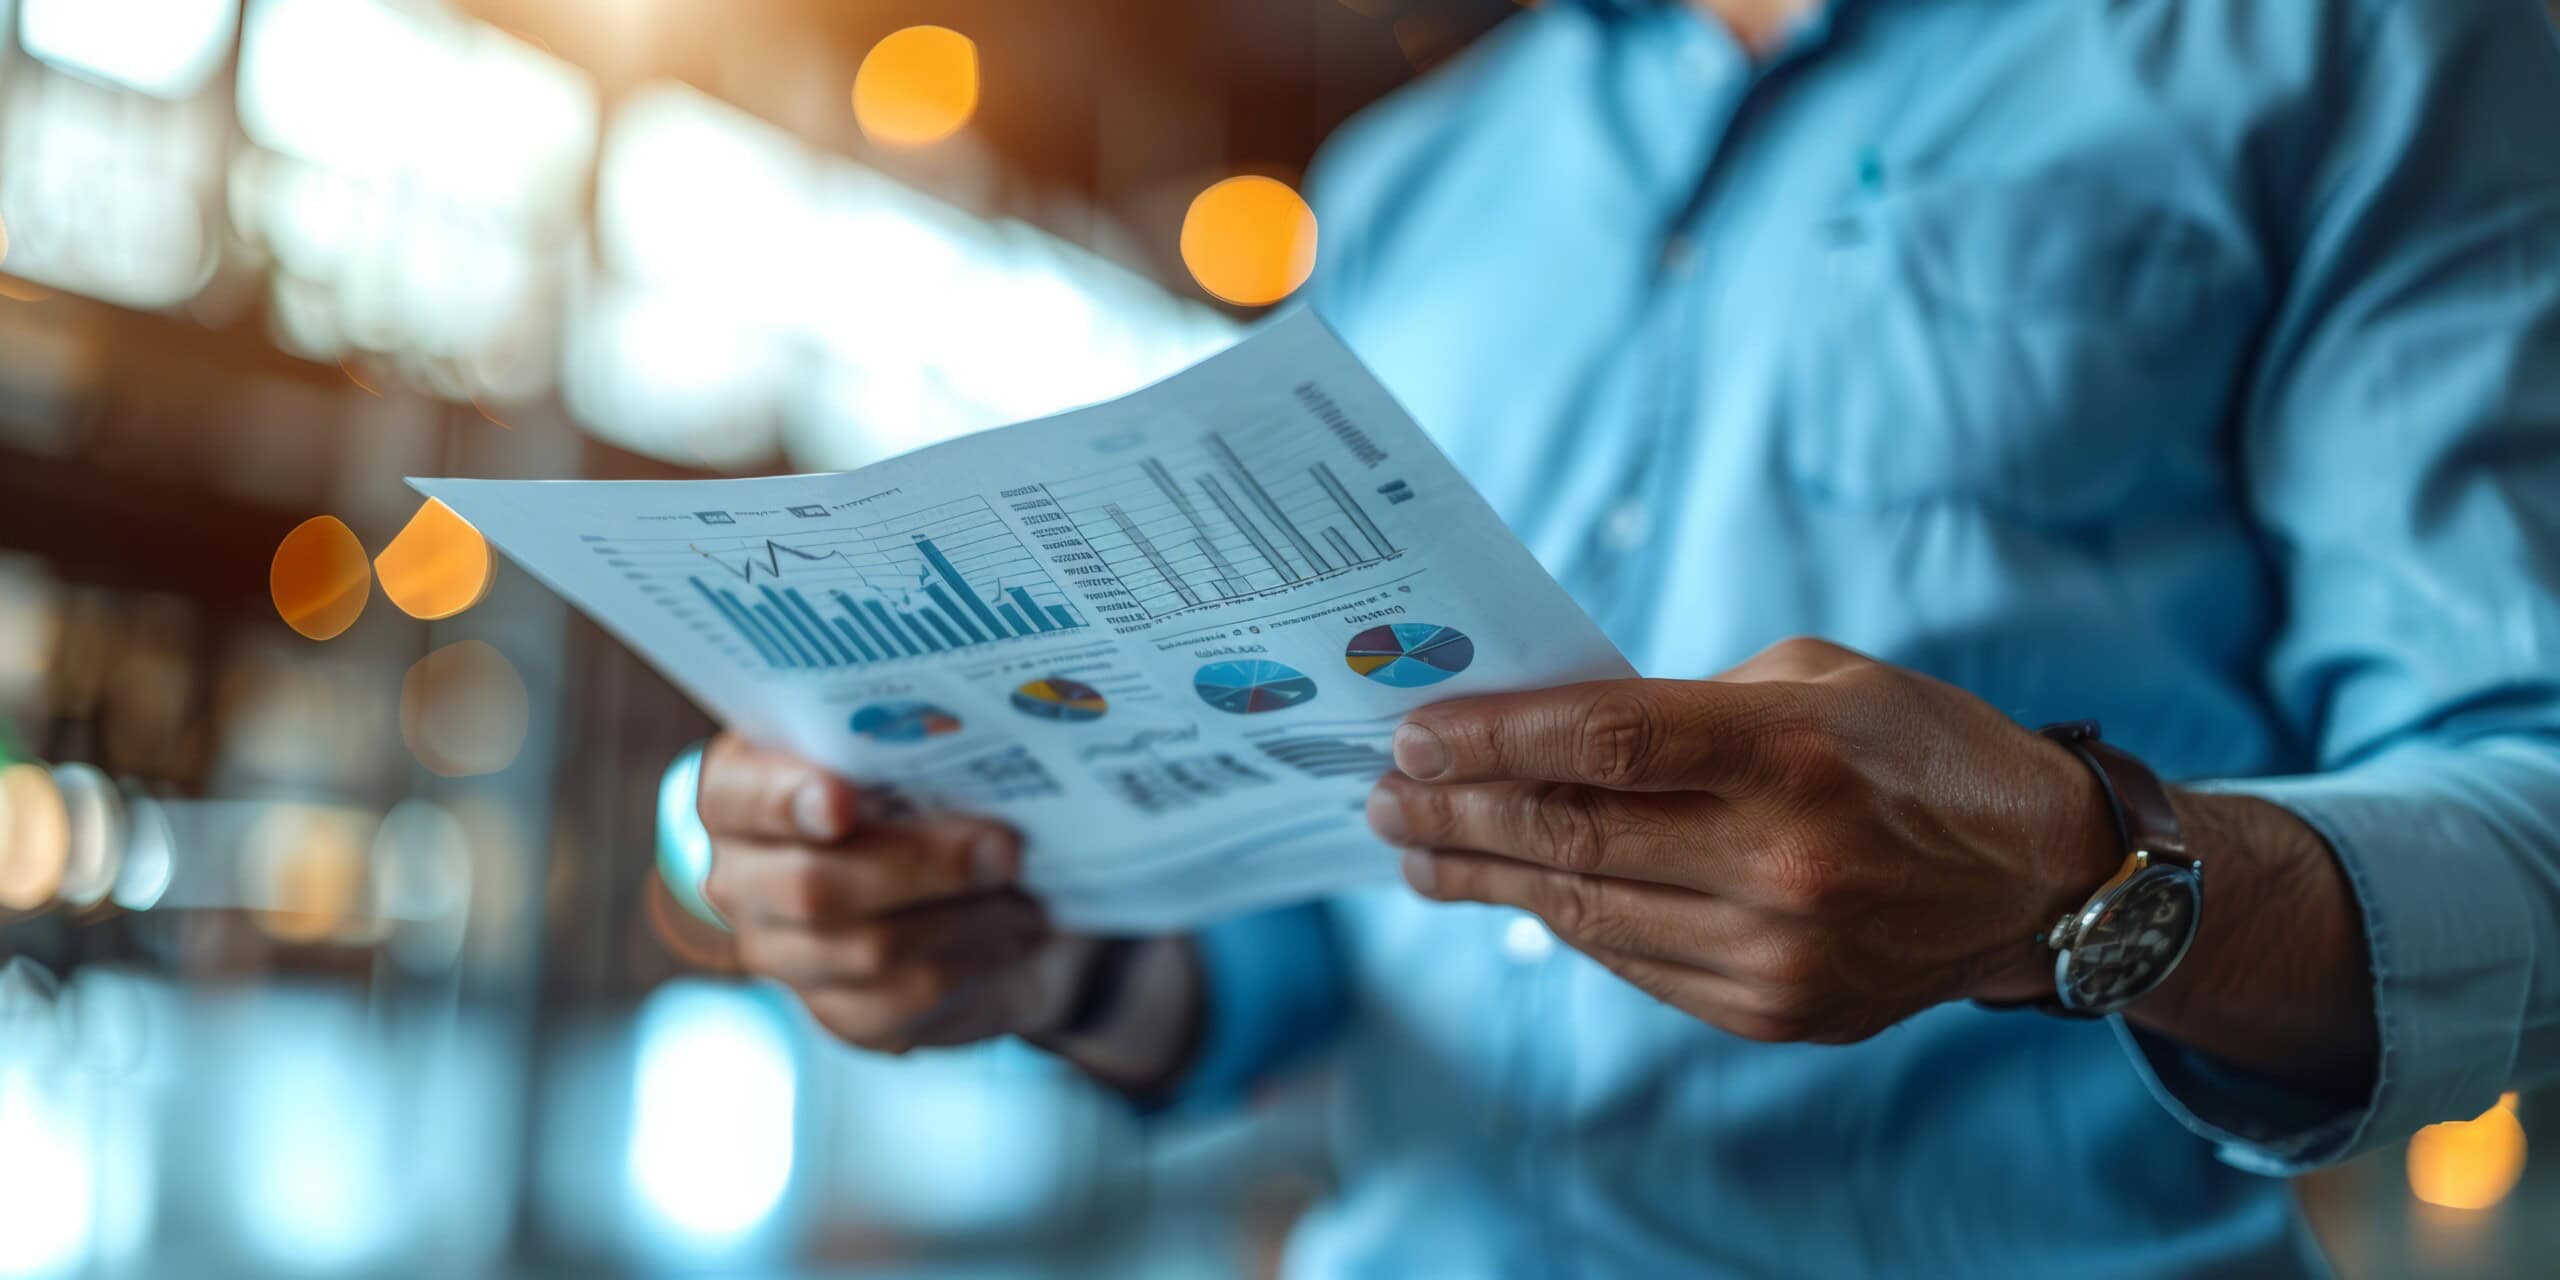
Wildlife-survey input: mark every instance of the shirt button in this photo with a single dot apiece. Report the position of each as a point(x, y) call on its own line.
point(1526, 941)
point(1627, 524)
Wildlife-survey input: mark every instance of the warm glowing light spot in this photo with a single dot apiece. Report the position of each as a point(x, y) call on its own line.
point(1250, 240)
point(916, 87)
point(2468, 1164)
point(438, 566)
point(35, 837)
point(303, 870)
point(320, 577)
point(463, 710)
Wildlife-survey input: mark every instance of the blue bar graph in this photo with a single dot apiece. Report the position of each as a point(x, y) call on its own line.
point(856, 638)
point(726, 604)
point(772, 621)
point(789, 631)
point(1030, 609)
point(931, 645)
point(952, 613)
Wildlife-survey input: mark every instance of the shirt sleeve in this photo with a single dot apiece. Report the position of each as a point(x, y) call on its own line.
point(2402, 455)
point(1275, 991)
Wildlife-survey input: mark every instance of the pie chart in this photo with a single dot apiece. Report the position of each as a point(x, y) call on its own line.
point(903, 721)
point(1059, 698)
point(1410, 655)
point(1252, 687)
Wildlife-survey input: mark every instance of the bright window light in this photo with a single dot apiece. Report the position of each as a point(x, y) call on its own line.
point(696, 195)
point(674, 376)
point(712, 1113)
point(316, 1186)
point(165, 48)
point(46, 1183)
point(104, 193)
point(473, 114)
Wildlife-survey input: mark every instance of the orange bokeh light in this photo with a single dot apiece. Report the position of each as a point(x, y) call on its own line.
point(463, 710)
point(438, 566)
point(2468, 1164)
point(303, 870)
point(35, 837)
point(916, 87)
point(1249, 240)
point(320, 577)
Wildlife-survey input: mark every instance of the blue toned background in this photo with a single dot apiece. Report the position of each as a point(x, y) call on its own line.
point(332, 940)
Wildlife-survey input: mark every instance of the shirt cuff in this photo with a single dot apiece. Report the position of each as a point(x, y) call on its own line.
point(1273, 992)
point(2451, 943)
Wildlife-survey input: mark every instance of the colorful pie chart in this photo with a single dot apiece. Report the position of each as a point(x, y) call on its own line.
point(1410, 655)
point(903, 721)
point(1252, 687)
point(1059, 698)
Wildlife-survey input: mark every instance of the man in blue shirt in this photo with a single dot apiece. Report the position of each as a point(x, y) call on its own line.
point(2188, 365)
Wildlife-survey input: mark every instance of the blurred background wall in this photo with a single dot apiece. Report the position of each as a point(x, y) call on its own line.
point(332, 939)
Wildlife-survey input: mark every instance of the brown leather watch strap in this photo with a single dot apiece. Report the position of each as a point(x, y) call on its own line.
point(2145, 818)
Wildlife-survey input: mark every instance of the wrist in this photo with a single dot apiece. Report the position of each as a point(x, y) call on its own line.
point(2075, 847)
point(1131, 1019)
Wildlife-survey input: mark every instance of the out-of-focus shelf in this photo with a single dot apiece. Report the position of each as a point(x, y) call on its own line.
point(106, 527)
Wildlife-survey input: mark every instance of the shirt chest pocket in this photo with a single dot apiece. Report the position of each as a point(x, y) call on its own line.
point(2053, 350)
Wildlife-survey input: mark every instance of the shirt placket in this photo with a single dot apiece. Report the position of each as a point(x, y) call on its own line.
point(1624, 555)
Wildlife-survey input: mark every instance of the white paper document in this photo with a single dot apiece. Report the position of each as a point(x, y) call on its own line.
point(1166, 637)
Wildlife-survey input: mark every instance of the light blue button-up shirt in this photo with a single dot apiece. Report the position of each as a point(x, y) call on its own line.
point(2189, 364)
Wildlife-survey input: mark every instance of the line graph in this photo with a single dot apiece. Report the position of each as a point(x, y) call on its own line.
point(773, 552)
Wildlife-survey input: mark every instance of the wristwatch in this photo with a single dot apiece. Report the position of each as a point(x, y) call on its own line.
point(2130, 935)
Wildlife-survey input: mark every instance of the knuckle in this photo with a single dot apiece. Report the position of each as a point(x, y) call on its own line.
point(954, 850)
point(1651, 979)
point(864, 951)
point(1428, 815)
point(1804, 881)
point(1809, 650)
point(1809, 758)
point(1616, 737)
point(1568, 824)
point(927, 987)
point(873, 1024)
point(1572, 906)
point(808, 893)
point(1772, 1027)
point(1793, 965)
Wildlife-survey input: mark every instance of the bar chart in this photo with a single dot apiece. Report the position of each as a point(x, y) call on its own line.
point(947, 578)
point(1226, 520)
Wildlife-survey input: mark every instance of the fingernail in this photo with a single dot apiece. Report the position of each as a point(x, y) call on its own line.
point(813, 810)
point(991, 861)
point(1420, 870)
point(1420, 753)
point(1386, 816)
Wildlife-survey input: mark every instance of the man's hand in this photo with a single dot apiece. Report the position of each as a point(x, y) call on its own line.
point(1813, 846)
point(895, 932)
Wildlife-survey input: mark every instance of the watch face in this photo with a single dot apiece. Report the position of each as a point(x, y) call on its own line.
point(2129, 941)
